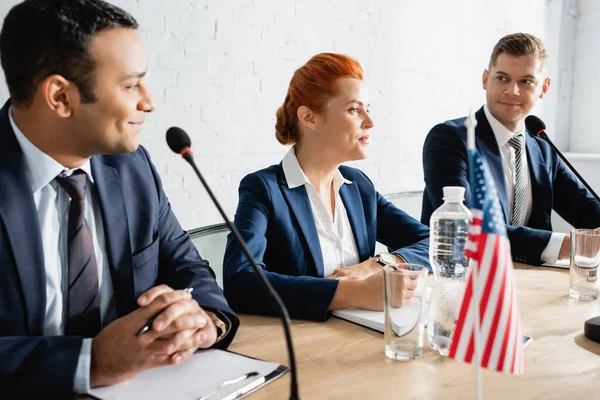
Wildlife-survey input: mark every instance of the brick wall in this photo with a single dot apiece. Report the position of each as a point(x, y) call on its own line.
point(220, 69)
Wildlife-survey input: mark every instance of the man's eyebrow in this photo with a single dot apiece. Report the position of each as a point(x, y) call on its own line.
point(134, 75)
point(528, 76)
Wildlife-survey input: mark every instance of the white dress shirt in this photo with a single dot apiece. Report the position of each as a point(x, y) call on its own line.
point(503, 135)
point(335, 233)
point(52, 205)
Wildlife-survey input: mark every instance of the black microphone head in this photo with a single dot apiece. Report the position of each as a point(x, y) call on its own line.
point(177, 139)
point(535, 125)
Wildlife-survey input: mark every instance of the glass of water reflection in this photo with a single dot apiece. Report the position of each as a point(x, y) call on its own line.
point(585, 258)
point(404, 301)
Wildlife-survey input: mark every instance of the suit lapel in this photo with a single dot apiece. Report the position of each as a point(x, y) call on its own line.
point(299, 203)
point(487, 144)
point(356, 215)
point(116, 232)
point(17, 209)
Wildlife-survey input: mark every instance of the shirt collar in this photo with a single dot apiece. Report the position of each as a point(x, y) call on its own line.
point(42, 168)
point(295, 177)
point(501, 133)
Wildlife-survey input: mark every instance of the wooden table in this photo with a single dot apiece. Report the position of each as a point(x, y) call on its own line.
point(341, 360)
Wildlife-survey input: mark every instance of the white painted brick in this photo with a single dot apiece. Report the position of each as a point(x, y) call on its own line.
point(232, 63)
point(216, 113)
point(247, 83)
point(195, 22)
point(152, 15)
point(220, 69)
point(281, 7)
point(173, 185)
point(259, 15)
point(224, 81)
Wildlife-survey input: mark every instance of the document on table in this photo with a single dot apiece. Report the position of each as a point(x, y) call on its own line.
point(376, 319)
point(201, 374)
point(370, 319)
point(558, 264)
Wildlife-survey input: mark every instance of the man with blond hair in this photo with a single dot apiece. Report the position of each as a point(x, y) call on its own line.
point(531, 179)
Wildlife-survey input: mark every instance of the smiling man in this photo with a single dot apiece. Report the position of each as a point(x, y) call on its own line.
point(530, 178)
point(89, 247)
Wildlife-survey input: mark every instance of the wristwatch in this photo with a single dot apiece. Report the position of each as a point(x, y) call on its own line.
point(385, 258)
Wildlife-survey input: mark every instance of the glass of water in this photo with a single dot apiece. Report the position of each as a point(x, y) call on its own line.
point(585, 257)
point(404, 310)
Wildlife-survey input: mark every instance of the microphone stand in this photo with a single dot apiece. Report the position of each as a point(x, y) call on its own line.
point(187, 155)
point(543, 135)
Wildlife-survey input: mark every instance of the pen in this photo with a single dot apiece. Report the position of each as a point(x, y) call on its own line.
point(148, 324)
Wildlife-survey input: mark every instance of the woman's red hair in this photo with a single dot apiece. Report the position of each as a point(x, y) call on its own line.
point(312, 86)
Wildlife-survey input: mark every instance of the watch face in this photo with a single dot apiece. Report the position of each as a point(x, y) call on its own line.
point(388, 258)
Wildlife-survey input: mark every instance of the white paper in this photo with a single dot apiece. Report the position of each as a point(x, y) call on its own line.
point(376, 319)
point(558, 264)
point(370, 319)
point(199, 375)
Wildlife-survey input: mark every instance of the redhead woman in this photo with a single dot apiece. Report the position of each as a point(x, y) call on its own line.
point(310, 222)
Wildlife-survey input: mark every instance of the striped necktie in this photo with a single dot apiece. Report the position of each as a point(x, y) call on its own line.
point(518, 209)
point(83, 299)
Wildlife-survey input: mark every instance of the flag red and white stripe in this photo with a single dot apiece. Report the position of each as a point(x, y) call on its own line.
point(488, 247)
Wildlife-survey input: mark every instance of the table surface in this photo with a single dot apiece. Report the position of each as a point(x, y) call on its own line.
point(340, 360)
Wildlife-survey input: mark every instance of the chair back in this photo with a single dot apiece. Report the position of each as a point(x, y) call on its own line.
point(409, 202)
point(210, 241)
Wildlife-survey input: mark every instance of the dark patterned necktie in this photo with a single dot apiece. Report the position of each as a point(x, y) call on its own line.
point(83, 299)
point(518, 208)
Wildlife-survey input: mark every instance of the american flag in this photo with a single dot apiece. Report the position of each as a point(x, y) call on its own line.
point(501, 339)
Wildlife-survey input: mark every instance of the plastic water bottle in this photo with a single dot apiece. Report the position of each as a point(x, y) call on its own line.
point(449, 225)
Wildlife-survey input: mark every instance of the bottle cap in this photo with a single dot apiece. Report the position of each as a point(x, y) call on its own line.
point(454, 193)
point(592, 329)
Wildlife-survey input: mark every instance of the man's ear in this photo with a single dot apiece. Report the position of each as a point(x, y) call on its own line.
point(545, 87)
point(60, 95)
point(484, 79)
point(307, 117)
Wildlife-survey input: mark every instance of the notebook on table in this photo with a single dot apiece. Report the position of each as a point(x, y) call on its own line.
point(200, 375)
point(558, 264)
point(370, 319)
point(375, 319)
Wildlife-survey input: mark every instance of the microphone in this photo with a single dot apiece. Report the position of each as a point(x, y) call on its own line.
point(538, 128)
point(180, 143)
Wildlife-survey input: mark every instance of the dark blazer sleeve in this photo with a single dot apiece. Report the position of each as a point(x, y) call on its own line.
point(572, 200)
point(38, 366)
point(180, 265)
point(305, 297)
point(399, 231)
point(446, 163)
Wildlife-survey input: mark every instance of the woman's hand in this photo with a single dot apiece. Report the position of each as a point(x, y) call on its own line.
point(367, 294)
point(359, 271)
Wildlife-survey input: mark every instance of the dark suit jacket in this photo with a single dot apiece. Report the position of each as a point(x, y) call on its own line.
point(145, 247)
point(446, 163)
point(278, 225)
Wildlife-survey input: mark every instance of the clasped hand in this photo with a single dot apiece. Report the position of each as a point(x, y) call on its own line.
point(180, 328)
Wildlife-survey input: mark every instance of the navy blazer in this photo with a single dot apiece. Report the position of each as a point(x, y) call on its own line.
point(446, 163)
point(145, 247)
point(278, 225)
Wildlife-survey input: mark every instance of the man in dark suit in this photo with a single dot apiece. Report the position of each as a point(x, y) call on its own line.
point(89, 247)
point(531, 179)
